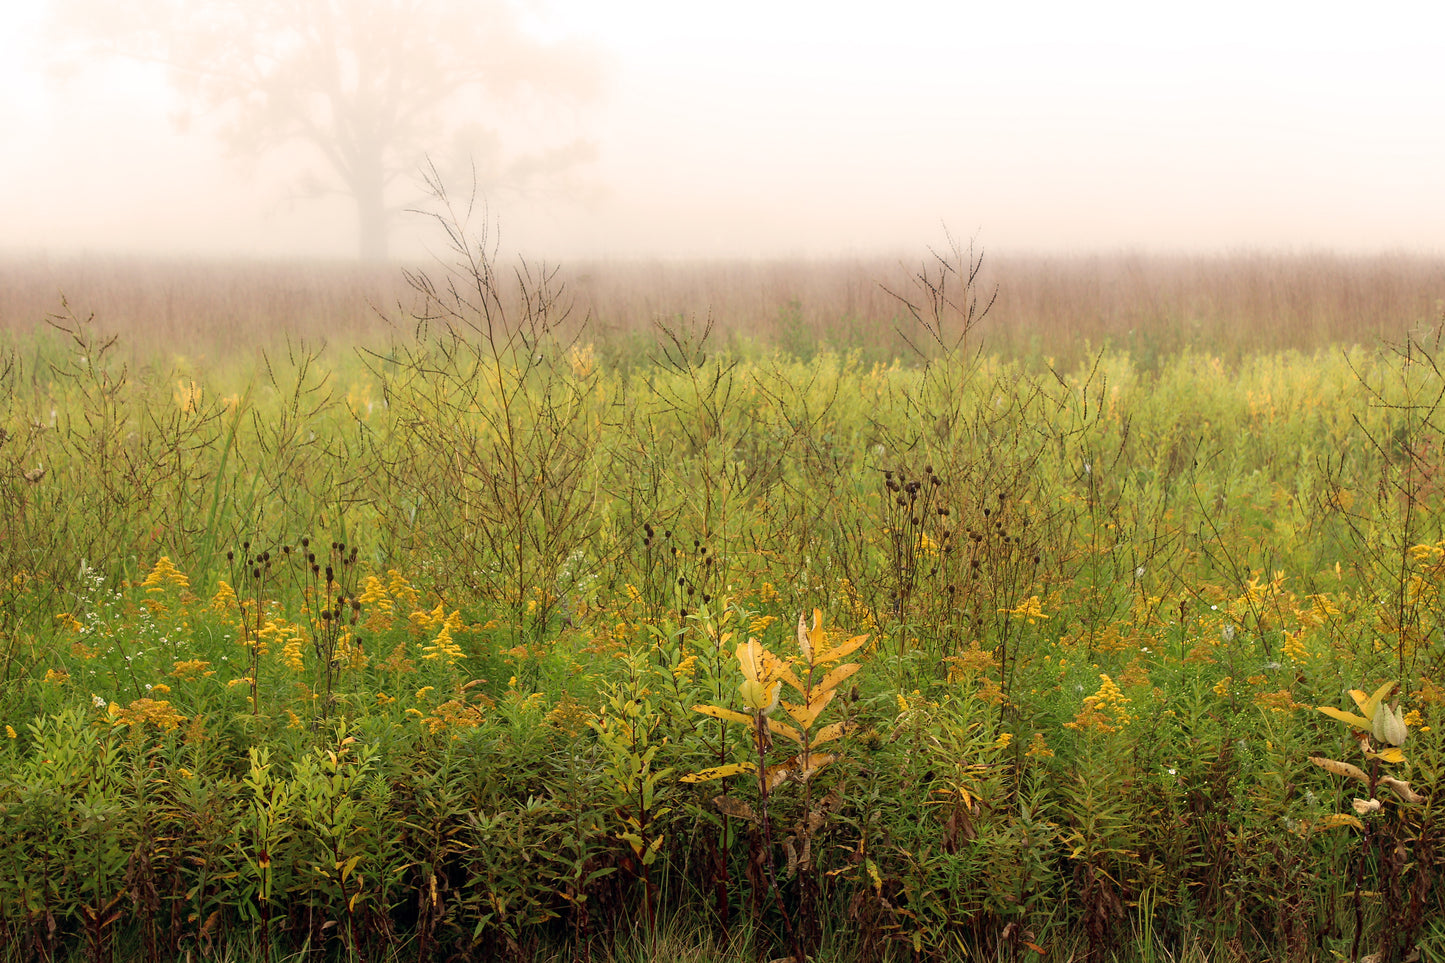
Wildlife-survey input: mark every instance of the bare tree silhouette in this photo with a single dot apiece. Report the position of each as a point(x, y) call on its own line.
point(372, 86)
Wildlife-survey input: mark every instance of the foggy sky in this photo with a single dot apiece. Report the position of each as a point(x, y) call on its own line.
point(825, 129)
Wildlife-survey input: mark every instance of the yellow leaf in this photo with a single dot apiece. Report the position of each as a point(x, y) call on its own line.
point(1349, 718)
point(831, 680)
point(1393, 755)
point(719, 772)
point(807, 715)
point(816, 761)
point(749, 656)
point(842, 650)
point(872, 868)
point(727, 715)
point(762, 697)
point(836, 730)
point(1340, 768)
point(785, 673)
point(1340, 819)
point(805, 645)
point(783, 729)
point(781, 772)
point(1368, 706)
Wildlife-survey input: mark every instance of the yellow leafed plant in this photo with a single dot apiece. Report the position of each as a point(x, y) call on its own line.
point(1386, 724)
point(814, 676)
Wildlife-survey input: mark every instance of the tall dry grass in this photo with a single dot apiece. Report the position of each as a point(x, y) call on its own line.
point(1055, 307)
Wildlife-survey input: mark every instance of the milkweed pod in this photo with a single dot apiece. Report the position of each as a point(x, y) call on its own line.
point(1389, 725)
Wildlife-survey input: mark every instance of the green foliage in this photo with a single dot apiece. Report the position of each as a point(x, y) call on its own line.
point(1088, 615)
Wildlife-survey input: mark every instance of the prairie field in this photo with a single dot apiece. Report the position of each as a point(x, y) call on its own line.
point(936, 610)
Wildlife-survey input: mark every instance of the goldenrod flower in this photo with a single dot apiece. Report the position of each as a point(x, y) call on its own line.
point(1038, 748)
point(1030, 609)
point(147, 711)
point(444, 646)
point(165, 574)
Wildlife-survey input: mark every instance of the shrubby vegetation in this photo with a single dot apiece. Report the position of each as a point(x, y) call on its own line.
point(500, 640)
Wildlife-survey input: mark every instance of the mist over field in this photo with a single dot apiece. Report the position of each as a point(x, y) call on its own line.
point(652, 130)
point(541, 480)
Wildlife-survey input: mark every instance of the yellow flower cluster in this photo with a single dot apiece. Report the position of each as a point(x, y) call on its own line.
point(188, 396)
point(191, 669)
point(1038, 748)
point(973, 662)
point(1104, 711)
point(165, 575)
point(437, 618)
point(1030, 609)
point(569, 716)
point(1294, 646)
point(1279, 701)
point(453, 714)
point(289, 636)
point(380, 599)
point(156, 712)
point(225, 598)
point(444, 647)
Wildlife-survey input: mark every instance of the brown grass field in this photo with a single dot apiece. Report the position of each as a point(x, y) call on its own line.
point(1046, 307)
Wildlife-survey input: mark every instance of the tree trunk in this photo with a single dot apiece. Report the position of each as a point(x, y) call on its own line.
point(369, 193)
